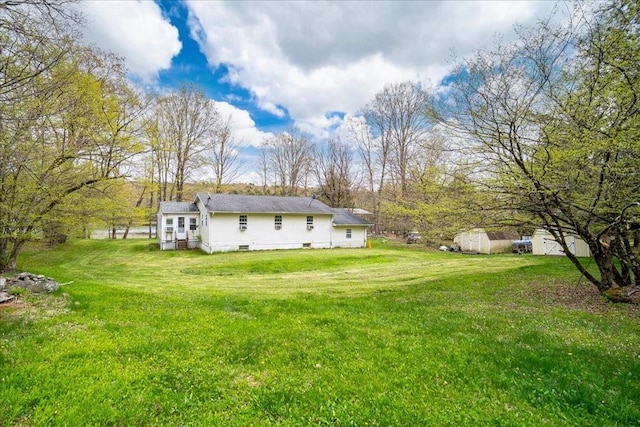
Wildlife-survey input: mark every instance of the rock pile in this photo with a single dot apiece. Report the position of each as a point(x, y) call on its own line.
point(31, 282)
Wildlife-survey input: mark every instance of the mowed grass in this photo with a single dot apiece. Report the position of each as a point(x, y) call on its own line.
point(382, 336)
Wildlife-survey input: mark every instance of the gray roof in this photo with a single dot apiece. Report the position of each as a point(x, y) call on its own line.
point(237, 203)
point(502, 235)
point(177, 207)
point(344, 217)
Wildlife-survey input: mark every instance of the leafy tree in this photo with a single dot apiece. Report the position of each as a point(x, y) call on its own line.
point(64, 128)
point(441, 198)
point(35, 36)
point(553, 125)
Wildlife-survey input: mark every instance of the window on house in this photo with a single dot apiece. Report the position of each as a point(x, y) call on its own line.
point(348, 233)
point(243, 222)
point(309, 222)
point(193, 224)
point(169, 221)
point(278, 222)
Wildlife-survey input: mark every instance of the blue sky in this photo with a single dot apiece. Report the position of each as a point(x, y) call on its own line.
point(271, 64)
point(191, 65)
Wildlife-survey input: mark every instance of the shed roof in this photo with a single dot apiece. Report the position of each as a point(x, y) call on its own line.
point(502, 235)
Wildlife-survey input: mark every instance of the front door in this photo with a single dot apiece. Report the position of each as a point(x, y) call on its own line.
point(182, 231)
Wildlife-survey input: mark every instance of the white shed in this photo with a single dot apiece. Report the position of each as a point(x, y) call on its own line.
point(485, 242)
point(545, 244)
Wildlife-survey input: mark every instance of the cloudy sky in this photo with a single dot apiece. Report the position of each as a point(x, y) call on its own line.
point(270, 64)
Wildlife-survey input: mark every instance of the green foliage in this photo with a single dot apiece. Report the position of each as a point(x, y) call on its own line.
point(552, 122)
point(439, 206)
point(17, 291)
point(65, 129)
point(382, 336)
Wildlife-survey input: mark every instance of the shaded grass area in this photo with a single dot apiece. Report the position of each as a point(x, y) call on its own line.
point(383, 336)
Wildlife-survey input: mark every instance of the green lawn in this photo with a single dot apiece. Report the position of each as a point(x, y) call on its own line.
point(383, 336)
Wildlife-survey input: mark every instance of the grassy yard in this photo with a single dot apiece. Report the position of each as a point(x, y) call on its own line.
point(370, 337)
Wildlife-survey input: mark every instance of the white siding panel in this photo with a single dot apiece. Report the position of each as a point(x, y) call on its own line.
point(358, 236)
point(167, 238)
point(261, 233)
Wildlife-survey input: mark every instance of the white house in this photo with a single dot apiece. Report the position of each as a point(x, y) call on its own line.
point(228, 222)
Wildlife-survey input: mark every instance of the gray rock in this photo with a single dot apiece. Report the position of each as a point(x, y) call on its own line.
point(51, 286)
point(4, 297)
point(33, 283)
point(3, 283)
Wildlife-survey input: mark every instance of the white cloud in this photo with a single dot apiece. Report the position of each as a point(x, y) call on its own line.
point(244, 127)
point(135, 30)
point(271, 108)
point(317, 57)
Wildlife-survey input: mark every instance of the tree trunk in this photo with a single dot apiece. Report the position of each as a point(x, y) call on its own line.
point(9, 250)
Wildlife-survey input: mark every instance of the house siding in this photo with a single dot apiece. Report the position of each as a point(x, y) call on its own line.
point(204, 237)
point(218, 224)
point(168, 238)
point(339, 237)
point(225, 233)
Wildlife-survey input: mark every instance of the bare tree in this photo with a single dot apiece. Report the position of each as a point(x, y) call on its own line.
point(161, 163)
point(373, 155)
point(186, 120)
point(333, 164)
point(289, 155)
point(263, 168)
point(397, 119)
point(223, 156)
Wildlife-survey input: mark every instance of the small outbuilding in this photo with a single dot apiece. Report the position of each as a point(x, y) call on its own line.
point(485, 242)
point(545, 244)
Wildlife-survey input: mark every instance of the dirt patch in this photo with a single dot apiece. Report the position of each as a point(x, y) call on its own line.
point(33, 307)
point(13, 304)
point(581, 296)
point(248, 380)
